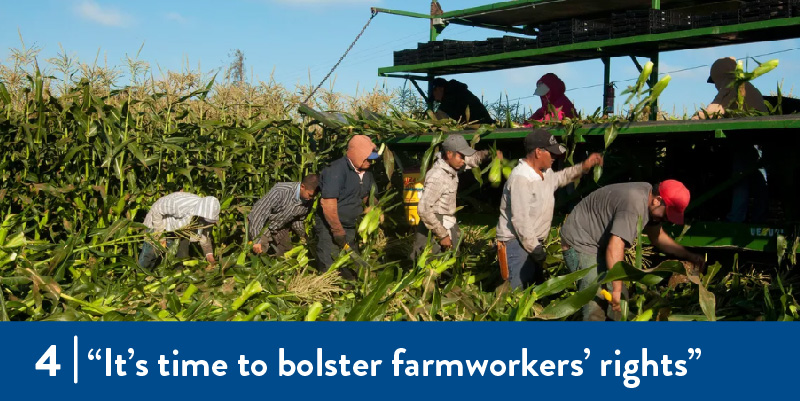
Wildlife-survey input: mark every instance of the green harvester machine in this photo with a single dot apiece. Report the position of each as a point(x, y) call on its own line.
point(698, 152)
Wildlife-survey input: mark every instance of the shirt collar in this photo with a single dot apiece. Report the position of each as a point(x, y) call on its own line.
point(529, 172)
point(297, 193)
point(444, 165)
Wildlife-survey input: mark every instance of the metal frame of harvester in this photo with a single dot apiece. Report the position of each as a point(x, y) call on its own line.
point(696, 152)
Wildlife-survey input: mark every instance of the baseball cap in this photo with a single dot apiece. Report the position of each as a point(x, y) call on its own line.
point(457, 143)
point(541, 89)
point(541, 138)
point(676, 198)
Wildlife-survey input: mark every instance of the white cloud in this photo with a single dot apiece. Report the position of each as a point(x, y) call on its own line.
point(176, 17)
point(90, 10)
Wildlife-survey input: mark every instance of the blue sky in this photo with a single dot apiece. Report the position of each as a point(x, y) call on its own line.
point(294, 39)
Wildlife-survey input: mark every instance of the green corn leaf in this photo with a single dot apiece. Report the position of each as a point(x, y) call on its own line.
point(560, 309)
point(560, 283)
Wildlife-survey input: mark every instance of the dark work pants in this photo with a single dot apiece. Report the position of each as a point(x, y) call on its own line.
point(149, 259)
point(326, 248)
point(281, 241)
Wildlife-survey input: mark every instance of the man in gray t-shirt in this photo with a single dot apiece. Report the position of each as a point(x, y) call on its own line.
point(603, 224)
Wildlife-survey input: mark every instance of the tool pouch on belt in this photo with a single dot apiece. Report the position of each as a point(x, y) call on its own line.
point(501, 257)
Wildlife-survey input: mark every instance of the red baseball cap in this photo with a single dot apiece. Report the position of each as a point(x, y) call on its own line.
point(676, 198)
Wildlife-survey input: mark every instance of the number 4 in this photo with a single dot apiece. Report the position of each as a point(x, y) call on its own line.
point(48, 361)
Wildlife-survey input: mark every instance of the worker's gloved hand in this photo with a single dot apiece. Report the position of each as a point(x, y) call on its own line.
point(446, 242)
point(340, 240)
point(539, 254)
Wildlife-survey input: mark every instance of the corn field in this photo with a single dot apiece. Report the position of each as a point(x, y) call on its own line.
point(83, 159)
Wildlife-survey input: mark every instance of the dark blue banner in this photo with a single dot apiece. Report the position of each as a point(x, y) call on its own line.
point(396, 360)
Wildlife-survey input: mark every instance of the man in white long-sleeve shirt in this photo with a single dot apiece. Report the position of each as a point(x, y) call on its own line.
point(526, 208)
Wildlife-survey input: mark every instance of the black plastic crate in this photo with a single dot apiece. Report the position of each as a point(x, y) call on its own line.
point(496, 45)
point(481, 48)
point(718, 18)
point(571, 31)
point(430, 51)
point(514, 43)
point(642, 22)
point(760, 10)
point(454, 49)
point(405, 57)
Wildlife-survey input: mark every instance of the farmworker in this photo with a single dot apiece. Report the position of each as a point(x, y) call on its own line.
point(344, 187)
point(455, 99)
point(745, 156)
point(437, 202)
point(526, 208)
point(284, 207)
point(555, 104)
point(722, 76)
point(603, 224)
point(189, 217)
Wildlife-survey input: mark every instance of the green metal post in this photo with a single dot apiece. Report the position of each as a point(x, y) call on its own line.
point(652, 82)
point(656, 4)
point(434, 35)
point(606, 83)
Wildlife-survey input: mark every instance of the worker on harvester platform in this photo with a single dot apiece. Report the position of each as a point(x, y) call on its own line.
point(722, 76)
point(745, 155)
point(458, 103)
point(555, 104)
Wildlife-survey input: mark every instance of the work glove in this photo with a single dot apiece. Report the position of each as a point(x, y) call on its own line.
point(539, 254)
point(340, 240)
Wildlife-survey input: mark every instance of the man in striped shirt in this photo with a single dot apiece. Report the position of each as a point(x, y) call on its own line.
point(186, 215)
point(284, 207)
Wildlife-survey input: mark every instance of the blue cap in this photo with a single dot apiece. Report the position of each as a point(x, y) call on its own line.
point(373, 156)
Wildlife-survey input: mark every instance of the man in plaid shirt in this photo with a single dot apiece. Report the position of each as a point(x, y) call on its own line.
point(284, 207)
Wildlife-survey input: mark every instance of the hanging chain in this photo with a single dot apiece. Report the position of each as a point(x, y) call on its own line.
point(374, 13)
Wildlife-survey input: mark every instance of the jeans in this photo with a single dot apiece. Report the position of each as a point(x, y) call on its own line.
point(521, 265)
point(326, 248)
point(148, 258)
point(598, 309)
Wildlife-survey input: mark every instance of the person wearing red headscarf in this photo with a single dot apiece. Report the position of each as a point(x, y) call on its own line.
point(550, 88)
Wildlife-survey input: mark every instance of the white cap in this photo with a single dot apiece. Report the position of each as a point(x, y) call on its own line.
point(541, 90)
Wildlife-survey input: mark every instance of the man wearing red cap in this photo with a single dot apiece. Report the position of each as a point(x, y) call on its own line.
point(603, 224)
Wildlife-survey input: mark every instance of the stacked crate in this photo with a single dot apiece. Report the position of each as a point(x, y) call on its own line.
point(514, 43)
point(481, 48)
point(454, 49)
point(642, 22)
point(717, 18)
point(571, 31)
point(405, 57)
point(760, 10)
point(429, 52)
